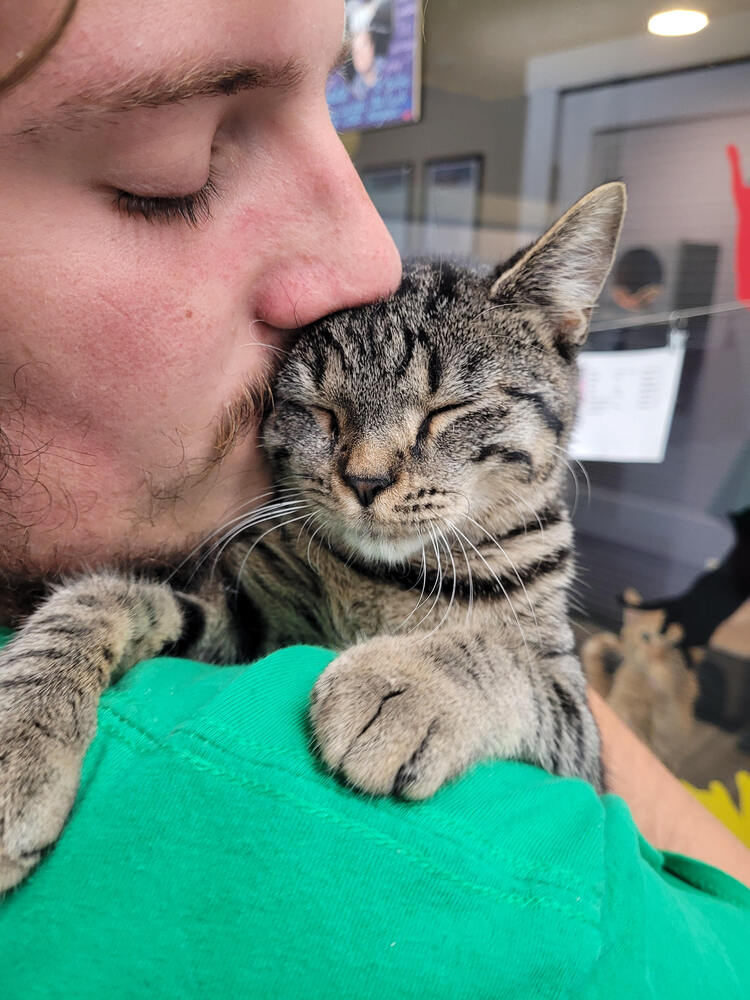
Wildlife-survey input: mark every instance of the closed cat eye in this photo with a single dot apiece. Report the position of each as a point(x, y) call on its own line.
point(424, 427)
point(327, 419)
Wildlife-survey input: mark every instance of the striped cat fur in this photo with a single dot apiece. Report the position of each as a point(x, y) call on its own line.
point(418, 527)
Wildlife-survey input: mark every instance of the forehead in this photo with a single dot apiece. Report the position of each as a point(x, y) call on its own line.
point(106, 46)
point(429, 339)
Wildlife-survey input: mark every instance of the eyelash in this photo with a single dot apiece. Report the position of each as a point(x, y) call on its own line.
point(190, 208)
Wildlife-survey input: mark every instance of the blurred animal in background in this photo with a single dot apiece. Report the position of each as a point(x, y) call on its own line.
point(714, 614)
point(685, 656)
point(637, 280)
point(647, 676)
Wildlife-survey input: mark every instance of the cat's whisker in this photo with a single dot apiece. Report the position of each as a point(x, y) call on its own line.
point(350, 558)
point(268, 508)
point(587, 629)
point(575, 482)
point(465, 499)
point(310, 541)
point(330, 533)
point(259, 539)
point(288, 495)
point(236, 516)
point(583, 469)
point(250, 517)
point(276, 491)
point(423, 577)
point(238, 525)
point(423, 569)
point(194, 552)
point(510, 563)
point(500, 585)
point(564, 457)
point(327, 524)
point(574, 477)
point(444, 540)
point(468, 570)
point(258, 343)
point(304, 525)
point(521, 517)
point(528, 506)
point(263, 514)
point(208, 551)
point(266, 347)
point(438, 580)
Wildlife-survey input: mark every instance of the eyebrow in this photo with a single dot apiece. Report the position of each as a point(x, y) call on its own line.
point(156, 90)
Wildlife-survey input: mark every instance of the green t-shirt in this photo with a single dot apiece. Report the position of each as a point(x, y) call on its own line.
point(209, 856)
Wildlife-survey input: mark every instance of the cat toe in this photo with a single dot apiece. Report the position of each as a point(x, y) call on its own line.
point(385, 732)
point(390, 745)
point(342, 709)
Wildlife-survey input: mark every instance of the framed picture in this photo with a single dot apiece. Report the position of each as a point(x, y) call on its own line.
point(391, 190)
point(380, 84)
point(451, 193)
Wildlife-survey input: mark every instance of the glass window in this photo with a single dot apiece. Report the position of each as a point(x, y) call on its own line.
point(507, 113)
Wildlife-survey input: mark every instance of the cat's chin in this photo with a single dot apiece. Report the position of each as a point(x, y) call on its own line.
point(392, 551)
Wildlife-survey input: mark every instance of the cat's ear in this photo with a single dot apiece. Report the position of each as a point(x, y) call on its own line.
point(563, 272)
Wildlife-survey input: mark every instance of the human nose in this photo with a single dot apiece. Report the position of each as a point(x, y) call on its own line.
point(335, 252)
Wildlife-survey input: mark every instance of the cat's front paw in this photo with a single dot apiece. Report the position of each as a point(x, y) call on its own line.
point(40, 766)
point(389, 723)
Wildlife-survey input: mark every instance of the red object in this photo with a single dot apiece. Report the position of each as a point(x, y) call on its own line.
point(741, 194)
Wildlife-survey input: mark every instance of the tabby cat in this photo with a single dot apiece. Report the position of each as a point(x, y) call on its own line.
point(418, 447)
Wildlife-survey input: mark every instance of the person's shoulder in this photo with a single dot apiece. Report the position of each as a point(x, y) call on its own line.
point(506, 853)
point(203, 808)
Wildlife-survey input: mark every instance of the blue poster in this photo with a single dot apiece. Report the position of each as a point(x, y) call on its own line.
point(380, 84)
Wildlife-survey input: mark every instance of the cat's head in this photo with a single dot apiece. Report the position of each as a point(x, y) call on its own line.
point(450, 401)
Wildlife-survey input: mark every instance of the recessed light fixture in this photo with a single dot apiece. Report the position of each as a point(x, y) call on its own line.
point(677, 22)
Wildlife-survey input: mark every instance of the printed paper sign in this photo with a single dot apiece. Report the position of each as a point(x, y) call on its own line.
point(380, 85)
point(627, 399)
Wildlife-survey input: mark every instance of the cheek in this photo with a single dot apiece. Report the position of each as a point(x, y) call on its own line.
point(120, 333)
point(138, 349)
point(144, 331)
point(296, 443)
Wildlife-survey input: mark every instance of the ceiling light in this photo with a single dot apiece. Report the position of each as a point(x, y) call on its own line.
point(677, 22)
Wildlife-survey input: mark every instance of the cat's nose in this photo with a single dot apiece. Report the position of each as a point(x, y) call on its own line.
point(368, 487)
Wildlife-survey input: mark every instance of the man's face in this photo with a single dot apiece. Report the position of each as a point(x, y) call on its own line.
point(363, 52)
point(130, 335)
